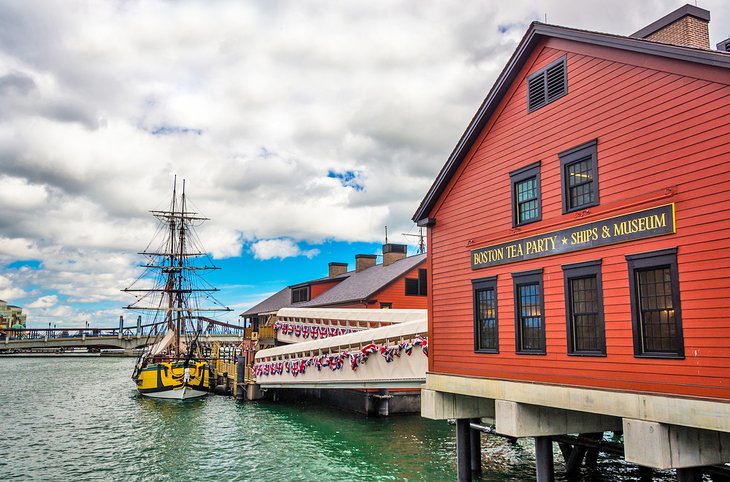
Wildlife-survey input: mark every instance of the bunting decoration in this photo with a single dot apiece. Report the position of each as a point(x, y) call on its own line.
point(314, 331)
point(336, 361)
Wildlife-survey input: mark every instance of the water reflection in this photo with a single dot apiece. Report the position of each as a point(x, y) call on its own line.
point(83, 419)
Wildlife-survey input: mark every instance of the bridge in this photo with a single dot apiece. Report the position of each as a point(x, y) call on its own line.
point(125, 338)
point(352, 348)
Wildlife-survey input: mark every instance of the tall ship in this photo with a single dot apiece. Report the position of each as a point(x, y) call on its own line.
point(173, 295)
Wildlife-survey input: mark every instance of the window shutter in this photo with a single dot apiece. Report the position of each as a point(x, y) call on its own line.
point(536, 92)
point(555, 81)
point(547, 84)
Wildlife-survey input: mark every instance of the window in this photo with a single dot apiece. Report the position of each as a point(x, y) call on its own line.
point(386, 306)
point(485, 315)
point(417, 286)
point(655, 309)
point(526, 207)
point(547, 85)
point(529, 312)
point(300, 294)
point(584, 308)
point(579, 177)
point(422, 282)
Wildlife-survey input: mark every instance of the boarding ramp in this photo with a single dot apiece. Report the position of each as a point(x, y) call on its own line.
point(297, 325)
point(391, 356)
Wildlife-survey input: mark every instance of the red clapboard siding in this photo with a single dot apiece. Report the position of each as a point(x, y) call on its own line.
point(396, 293)
point(663, 136)
point(317, 289)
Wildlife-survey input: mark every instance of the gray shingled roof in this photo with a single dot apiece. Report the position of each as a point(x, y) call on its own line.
point(356, 287)
point(359, 286)
point(282, 299)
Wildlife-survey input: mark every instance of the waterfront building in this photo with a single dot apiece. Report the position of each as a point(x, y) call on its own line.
point(11, 316)
point(398, 282)
point(579, 248)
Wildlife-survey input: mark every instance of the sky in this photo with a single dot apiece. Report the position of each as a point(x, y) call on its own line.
point(301, 128)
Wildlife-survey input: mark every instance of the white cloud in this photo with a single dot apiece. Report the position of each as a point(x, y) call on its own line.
point(279, 248)
point(44, 302)
point(16, 193)
point(9, 290)
point(102, 102)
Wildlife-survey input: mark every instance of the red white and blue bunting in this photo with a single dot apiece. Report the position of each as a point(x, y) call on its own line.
point(314, 332)
point(337, 361)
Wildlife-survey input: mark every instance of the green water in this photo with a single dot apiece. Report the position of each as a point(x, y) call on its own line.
point(82, 419)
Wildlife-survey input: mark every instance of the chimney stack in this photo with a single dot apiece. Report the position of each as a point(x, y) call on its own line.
point(364, 261)
point(688, 26)
point(393, 252)
point(336, 269)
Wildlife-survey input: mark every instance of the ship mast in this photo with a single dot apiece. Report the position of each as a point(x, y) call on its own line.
point(176, 289)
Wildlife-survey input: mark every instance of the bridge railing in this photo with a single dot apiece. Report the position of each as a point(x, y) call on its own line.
point(140, 331)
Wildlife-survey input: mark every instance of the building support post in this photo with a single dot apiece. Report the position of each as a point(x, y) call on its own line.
point(463, 446)
point(383, 402)
point(690, 474)
point(240, 379)
point(544, 459)
point(574, 459)
point(475, 448)
point(646, 474)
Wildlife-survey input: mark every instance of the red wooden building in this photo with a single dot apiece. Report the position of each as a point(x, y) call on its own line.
point(399, 282)
point(579, 241)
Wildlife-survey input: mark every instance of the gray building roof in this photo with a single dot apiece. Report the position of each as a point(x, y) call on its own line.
point(355, 287)
point(359, 286)
point(282, 298)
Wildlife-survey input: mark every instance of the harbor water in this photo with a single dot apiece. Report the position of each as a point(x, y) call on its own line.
point(82, 419)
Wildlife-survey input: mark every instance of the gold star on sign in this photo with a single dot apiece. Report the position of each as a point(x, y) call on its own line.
point(565, 240)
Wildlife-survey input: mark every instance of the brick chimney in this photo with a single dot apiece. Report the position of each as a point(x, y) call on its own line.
point(393, 252)
point(687, 26)
point(336, 269)
point(364, 261)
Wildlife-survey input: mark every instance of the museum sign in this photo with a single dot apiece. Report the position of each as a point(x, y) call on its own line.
point(627, 227)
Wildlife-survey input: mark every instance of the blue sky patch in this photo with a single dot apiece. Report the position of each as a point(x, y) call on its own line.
point(349, 178)
point(24, 263)
point(506, 27)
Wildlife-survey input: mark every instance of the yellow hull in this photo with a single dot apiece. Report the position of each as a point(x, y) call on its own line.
point(167, 380)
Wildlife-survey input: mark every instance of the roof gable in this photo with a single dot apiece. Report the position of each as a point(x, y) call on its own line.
point(282, 298)
point(360, 286)
point(536, 33)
